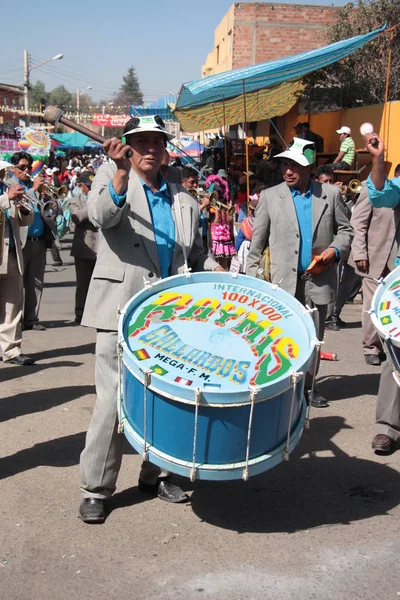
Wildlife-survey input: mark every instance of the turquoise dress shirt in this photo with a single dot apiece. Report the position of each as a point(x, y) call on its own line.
point(303, 206)
point(389, 197)
point(163, 223)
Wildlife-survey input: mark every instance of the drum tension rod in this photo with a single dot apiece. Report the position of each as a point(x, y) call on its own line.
point(318, 344)
point(121, 412)
point(146, 383)
point(198, 396)
point(296, 377)
point(252, 397)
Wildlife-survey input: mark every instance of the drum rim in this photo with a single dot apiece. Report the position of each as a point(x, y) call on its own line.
point(274, 388)
point(202, 402)
point(374, 311)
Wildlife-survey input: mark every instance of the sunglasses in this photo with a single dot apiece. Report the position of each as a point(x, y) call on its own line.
point(24, 167)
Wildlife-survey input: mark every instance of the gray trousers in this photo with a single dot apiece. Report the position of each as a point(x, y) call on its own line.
point(11, 305)
point(388, 405)
point(101, 458)
point(83, 269)
point(34, 266)
point(371, 341)
point(318, 316)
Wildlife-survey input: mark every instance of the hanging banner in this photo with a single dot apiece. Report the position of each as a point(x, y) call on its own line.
point(33, 141)
point(109, 120)
point(8, 146)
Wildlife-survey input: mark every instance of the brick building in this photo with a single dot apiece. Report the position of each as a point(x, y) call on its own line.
point(11, 97)
point(256, 32)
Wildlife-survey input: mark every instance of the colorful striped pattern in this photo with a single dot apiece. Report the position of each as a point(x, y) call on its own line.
point(384, 306)
point(183, 381)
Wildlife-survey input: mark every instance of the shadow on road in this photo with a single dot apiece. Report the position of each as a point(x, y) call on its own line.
point(305, 493)
point(66, 351)
point(61, 452)
point(59, 324)
point(48, 284)
point(32, 402)
point(339, 387)
point(14, 372)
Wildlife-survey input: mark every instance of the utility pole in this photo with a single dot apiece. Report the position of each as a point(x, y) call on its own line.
point(77, 105)
point(102, 127)
point(26, 80)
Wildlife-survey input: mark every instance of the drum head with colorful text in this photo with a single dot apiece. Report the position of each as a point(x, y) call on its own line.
point(385, 313)
point(221, 333)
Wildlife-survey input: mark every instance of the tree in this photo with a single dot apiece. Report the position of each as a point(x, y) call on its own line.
point(61, 97)
point(38, 95)
point(129, 92)
point(360, 78)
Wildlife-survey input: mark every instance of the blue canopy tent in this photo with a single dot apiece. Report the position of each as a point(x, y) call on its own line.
point(258, 92)
point(162, 106)
point(73, 141)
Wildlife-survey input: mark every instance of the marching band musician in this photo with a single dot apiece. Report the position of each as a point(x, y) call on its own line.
point(383, 192)
point(38, 239)
point(140, 239)
point(84, 243)
point(11, 273)
point(298, 220)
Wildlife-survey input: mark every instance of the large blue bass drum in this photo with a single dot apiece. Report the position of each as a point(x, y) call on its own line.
point(212, 369)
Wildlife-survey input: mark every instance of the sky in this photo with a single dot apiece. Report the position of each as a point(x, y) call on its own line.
point(166, 42)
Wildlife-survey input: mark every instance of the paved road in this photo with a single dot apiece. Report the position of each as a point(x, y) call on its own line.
point(323, 526)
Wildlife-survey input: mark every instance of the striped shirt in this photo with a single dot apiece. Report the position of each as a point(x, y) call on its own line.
point(349, 148)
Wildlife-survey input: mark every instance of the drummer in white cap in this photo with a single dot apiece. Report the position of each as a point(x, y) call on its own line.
point(301, 220)
point(140, 239)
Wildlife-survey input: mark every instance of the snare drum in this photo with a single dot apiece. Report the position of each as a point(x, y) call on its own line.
point(212, 370)
point(385, 315)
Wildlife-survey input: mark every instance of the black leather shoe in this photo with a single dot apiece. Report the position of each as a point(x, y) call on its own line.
point(372, 359)
point(35, 327)
point(332, 326)
point(21, 360)
point(165, 490)
point(92, 510)
point(317, 401)
point(383, 444)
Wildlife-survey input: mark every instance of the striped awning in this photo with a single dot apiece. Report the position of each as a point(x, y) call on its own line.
point(270, 87)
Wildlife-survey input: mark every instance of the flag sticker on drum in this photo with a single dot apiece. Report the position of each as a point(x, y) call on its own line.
point(384, 306)
point(386, 320)
point(158, 370)
point(141, 354)
point(183, 381)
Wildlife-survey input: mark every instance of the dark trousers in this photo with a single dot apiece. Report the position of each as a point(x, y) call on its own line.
point(84, 269)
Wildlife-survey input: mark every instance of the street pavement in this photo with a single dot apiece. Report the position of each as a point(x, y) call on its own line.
point(323, 526)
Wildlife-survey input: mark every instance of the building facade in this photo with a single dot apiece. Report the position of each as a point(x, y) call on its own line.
point(256, 32)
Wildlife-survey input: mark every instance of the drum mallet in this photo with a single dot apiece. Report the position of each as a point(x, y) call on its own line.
point(55, 115)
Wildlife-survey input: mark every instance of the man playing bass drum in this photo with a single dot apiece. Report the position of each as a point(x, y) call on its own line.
point(147, 228)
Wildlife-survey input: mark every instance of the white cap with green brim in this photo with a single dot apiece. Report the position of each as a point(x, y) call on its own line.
point(300, 151)
point(148, 123)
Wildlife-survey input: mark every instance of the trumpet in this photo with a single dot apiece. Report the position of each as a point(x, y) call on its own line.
point(24, 202)
point(215, 203)
point(54, 192)
point(355, 186)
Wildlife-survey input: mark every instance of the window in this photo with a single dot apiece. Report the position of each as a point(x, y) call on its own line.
point(218, 54)
point(230, 41)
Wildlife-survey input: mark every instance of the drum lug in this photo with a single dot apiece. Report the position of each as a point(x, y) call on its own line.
point(318, 344)
point(252, 397)
point(146, 383)
point(146, 284)
point(197, 397)
point(119, 390)
point(296, 377)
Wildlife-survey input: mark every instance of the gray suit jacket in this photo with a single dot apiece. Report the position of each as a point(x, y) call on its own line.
point(127, 252)
point(374, 232)
point(276, 226)
point(84, 244)
point(19, 224)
